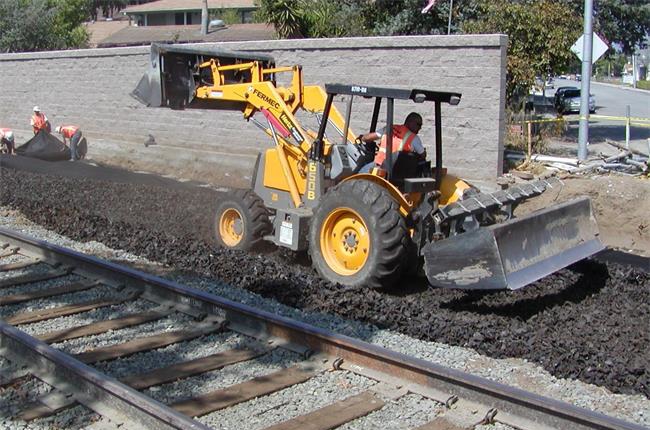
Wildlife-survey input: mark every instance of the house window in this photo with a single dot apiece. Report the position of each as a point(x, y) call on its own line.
point(179, 18)
point(248, 16)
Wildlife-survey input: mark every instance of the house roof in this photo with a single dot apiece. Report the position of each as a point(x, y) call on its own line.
point(186, 5)
point(133, 36)
point(100, 30)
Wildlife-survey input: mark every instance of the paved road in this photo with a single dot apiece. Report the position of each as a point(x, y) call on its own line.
point(611, 101)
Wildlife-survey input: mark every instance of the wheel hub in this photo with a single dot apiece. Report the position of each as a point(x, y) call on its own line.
point(350, 241)
point(345, 241)
point(231, 227)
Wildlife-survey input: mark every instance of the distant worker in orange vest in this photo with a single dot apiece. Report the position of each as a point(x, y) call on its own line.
point(39, 121)
point(7, 140)
point(405, 139)
point(73, 133)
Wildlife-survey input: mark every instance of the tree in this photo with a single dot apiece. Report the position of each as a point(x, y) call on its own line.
point(315, 18)
point(405, 17)
point(324, 18)
point(69, 17)
point(38, 25)
point(540, 35)
point(108, 7)
point(623, 22)
point(286, 15)
point(26, 26)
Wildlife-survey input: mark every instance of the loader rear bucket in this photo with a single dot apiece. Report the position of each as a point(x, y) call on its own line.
point(517, 252)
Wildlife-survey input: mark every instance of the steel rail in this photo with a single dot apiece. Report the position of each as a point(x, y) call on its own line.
point(101, 393)
point(515, 407)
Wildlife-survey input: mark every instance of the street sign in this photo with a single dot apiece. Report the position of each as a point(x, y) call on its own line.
point(598, 48)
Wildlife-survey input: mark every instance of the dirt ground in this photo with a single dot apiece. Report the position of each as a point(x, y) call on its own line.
point(621, 206)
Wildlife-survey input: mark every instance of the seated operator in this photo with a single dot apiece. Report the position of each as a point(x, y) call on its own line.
point(405, 139)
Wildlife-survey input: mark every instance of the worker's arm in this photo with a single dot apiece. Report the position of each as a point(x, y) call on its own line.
point(370, 137)
point(419, 148)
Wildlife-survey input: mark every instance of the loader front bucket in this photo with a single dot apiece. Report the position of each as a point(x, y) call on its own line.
point(149, 91)
point(169, 80)
point(514, 253)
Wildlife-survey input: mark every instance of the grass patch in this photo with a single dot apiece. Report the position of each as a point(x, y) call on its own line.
point(644, 85)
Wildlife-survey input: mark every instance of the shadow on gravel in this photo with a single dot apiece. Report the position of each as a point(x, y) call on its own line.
point(410, 285)
point(592, 279)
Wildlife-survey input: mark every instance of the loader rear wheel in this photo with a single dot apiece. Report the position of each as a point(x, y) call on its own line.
point(358, 237)
point(241, 220)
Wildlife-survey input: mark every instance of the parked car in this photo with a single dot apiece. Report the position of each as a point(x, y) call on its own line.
point(558, 95)
point(569, 101)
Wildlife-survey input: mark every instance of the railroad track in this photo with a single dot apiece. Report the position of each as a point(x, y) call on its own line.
point(163, 377)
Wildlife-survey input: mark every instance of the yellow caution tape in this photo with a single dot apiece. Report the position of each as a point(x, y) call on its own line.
point(633, 120)
point(539, 121)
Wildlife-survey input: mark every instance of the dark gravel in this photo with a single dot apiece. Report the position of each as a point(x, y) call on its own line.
point(589, 322)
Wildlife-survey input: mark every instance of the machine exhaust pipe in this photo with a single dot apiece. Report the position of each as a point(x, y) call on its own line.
point(515, 253)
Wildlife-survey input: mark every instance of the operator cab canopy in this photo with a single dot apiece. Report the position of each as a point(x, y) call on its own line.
point(392, 94)
point(417, 95)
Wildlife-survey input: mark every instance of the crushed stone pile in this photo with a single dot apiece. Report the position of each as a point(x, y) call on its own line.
point(588, 322)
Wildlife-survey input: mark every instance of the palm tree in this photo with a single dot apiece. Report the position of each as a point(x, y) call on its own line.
point(285, 15)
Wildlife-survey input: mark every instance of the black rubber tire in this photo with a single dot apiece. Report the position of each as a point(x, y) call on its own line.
point(389, 239)
point(254, 214)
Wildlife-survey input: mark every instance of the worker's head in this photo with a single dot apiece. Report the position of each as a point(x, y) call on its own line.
point(37, 109)
point(9, 136)
point(413, 122)
point(58, 129)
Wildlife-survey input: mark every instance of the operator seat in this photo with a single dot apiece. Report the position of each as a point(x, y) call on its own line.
point(406, 166)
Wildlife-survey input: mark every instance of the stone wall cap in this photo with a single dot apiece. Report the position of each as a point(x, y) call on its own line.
point(453, 41)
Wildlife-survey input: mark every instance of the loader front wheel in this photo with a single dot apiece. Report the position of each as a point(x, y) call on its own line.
point(241, 220)
point(358, 237)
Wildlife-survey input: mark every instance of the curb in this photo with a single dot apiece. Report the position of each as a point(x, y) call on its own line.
point(638, 90)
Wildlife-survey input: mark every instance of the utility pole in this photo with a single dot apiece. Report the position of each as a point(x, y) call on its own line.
point(204, 18)
point(451, 7)
point(583, 131)
point(634, 76)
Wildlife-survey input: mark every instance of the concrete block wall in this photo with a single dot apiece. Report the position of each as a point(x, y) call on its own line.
point(91, 88)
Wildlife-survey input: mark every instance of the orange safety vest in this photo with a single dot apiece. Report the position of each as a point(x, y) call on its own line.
point(402, 139)
point(68, 131)
point(39, 122)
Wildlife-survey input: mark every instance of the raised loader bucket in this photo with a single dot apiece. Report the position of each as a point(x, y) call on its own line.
point(517, 252)
point(149, 91)
point(172, 73)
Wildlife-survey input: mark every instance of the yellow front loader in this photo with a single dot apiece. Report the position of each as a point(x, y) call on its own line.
point(363, 229)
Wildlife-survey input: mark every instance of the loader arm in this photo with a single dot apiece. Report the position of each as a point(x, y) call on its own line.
point(264, 94)
point(279, 106)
